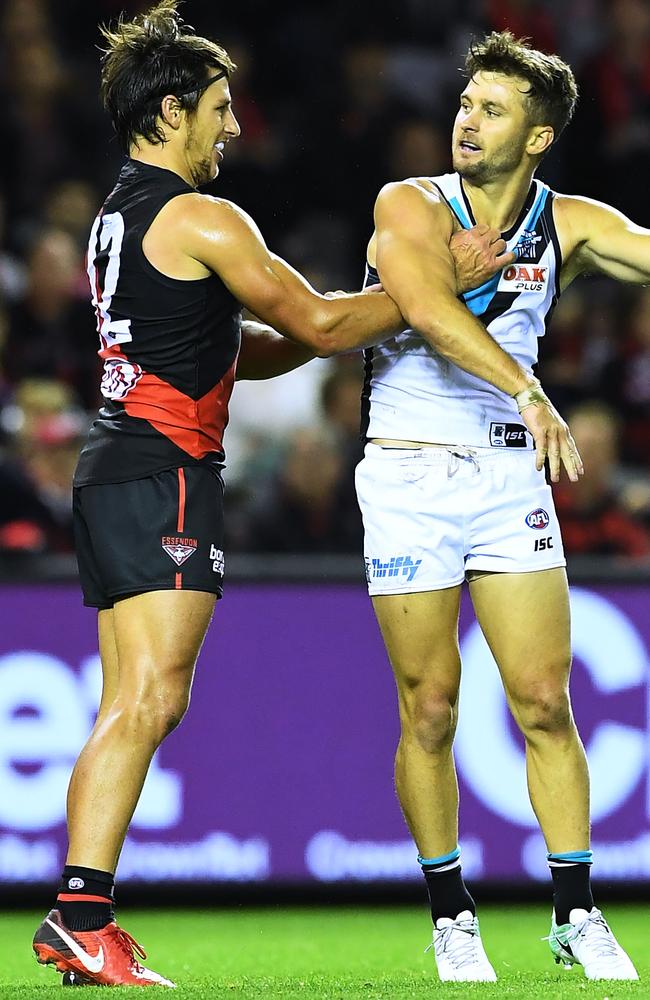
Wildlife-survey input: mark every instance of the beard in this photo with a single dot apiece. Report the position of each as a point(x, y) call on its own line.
point(201, 165)
point(503, 161)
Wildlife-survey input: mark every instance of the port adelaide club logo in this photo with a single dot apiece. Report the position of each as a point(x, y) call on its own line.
point(179, 548)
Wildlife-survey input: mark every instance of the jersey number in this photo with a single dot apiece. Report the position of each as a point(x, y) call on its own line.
point(111, 233)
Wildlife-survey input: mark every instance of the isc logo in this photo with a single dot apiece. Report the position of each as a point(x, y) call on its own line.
point(537, 519)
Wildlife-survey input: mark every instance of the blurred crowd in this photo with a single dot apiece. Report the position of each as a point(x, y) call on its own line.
point(334, 100)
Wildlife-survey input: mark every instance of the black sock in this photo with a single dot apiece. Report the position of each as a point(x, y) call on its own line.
point(571, 885)
point(448, 893)
point(85, 898)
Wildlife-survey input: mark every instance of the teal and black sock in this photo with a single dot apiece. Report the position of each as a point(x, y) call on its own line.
point(448, 893)
point(85, 898)
point(571, 873)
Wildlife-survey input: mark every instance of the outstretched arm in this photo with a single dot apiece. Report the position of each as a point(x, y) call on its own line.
point(225, 240)
point(413, 229)
point(600, 238)
point(265, 353)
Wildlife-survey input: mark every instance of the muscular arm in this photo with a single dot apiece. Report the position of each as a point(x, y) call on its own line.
point(265, 353)
point(225, 240)
point(416, 269)
point(597, 237)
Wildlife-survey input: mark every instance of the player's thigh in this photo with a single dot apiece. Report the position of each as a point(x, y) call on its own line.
point(158, 636)
point(525, 618)
point(420, 632)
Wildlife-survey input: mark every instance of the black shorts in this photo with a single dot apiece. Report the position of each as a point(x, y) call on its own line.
point(164, 532)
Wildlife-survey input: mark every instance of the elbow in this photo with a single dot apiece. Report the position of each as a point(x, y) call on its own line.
point(424, 324)
point(321, 338)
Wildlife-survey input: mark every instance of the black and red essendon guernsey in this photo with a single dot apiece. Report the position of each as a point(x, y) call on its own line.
point(169, 347)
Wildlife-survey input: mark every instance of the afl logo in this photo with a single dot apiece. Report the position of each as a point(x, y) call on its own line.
point(537, 519)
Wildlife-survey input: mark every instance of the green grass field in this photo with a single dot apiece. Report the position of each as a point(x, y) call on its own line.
point(334, 954)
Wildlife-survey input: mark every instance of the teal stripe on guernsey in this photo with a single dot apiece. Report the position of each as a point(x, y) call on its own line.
point(537, 210)
point(443, 859)
point(478, 299)
point(575, 857)
point(460, 212)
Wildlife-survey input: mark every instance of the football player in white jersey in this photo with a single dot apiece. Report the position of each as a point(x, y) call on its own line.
point(450, 487)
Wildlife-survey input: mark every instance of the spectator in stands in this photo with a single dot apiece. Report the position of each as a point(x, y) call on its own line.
point(44, 429)
point(52, 331)
point(306, 505)
point(592, 516)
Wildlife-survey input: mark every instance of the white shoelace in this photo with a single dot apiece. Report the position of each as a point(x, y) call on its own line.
point(462, 952)
point(602, 938)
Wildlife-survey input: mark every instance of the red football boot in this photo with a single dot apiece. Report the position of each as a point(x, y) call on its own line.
point(106, 957)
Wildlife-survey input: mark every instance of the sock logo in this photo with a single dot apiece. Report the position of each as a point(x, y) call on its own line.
point(76, 883)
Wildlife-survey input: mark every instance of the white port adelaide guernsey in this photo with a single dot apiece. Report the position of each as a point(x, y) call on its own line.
point(412, 393)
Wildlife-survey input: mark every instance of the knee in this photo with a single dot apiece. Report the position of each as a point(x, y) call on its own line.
point(154, 713)
point(429, 718)
point(544, 711)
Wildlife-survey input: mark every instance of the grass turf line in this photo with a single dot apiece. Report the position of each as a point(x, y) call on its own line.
point(330, 954)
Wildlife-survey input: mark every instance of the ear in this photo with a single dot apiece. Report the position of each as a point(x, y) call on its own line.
point(541, 137)
point(171, 111)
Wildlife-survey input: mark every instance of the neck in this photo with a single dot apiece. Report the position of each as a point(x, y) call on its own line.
point(164, 156)
point(499, 202)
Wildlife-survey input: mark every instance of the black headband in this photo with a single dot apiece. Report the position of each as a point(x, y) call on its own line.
point(193, 88)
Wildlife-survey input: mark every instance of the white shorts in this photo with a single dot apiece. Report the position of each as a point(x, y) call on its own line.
point(431, 514)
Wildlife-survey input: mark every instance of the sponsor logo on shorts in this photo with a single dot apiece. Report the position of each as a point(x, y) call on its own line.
point(179, 548)
point(538, 519)
point(217, 559)
point(507, 435)
point(76, 883)
point(402, 566)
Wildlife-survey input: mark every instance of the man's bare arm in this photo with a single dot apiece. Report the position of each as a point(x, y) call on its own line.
point(600, 238)
point(226, 240)
point(265, 353)
point(416, 268)
point(413, 229)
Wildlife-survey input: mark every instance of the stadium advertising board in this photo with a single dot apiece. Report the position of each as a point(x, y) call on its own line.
point(282, 769)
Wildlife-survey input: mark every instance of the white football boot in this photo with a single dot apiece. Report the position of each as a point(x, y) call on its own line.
point(459, 951)
point(587, 941)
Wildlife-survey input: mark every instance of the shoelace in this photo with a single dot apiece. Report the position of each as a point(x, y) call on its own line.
point(463, 951)
point(130, 946)
point(602, 937)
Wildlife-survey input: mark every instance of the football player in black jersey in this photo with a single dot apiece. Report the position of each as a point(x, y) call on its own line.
point(169, 270)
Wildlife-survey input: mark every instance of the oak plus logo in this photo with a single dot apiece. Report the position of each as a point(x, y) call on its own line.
point(524, 278)
point(178, 548)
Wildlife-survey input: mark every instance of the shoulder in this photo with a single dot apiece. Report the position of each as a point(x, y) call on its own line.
point(582, 214)
point(200, 215)
point(409, 201)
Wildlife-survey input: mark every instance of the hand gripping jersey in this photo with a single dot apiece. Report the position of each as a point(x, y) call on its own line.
point(169, 347)
point(412, 393)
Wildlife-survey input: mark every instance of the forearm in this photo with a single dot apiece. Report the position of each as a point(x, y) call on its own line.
point(265, 353)
point(357, 320)
point(460, 338)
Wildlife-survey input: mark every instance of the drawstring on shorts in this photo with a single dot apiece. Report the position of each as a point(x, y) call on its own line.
point(459, 455)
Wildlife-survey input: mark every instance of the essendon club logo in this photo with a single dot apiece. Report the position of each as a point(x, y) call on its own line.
point(525, 277)
point(179, 549)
